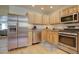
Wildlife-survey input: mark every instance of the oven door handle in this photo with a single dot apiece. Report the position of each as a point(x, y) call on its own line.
point(68, 35)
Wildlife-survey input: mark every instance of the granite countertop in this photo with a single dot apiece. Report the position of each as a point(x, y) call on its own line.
point(3, 37)
point(39, 30)
point(34, 30)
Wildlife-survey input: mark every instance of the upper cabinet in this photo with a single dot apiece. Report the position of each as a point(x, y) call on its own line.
point(45, 19)
point(35, 18)
point(70, 10)
point(55, 18)
point(78, 8)
point(38, 18)
point(65, 12)
point(31, 17)
point(52, 19)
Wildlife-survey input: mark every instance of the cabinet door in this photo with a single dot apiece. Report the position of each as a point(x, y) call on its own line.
point(45, 19)
point(52, 19)
point(49, 39)
point(29, 38)
point(55, 37)
point(78, 8)
point(38, 18)
point(65, 12)
point(72, 10)
point(57, 20)
point(44, 35)
point(31, 17)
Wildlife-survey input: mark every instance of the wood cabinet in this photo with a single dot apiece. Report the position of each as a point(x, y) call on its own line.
point(38, 18)
point(53, 37)
point(55, 18)
point(78, 8)
point(52, 19)
point(70, 10)
point(31, 17)
point(35, 18)
point(29, 38)
point(50, 36)
point(45, 19)
point(65, 12)
point(44, 35)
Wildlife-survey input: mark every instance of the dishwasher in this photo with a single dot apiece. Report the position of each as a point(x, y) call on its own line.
point(36, 36)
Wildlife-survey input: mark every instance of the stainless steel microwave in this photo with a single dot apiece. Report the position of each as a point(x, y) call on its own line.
point(70, 18)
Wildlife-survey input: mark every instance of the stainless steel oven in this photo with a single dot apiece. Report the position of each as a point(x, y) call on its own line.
point(68, 42)
point(70, 18)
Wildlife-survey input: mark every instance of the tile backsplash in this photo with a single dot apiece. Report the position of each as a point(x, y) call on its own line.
point(57, 26)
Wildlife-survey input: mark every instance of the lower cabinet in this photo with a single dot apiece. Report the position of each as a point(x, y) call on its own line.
point(53, 37)
point(50, 39)
point(43, 35)
point(29, 42)
point(50, 36)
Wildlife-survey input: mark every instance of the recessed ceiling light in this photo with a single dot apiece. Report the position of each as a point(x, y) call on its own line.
point(42, 8)
point(33, 5)
point(51, 7)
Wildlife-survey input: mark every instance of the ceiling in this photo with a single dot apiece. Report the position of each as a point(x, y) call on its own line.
point(45, 8)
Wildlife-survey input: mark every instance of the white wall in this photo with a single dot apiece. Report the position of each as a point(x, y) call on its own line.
point(4, 10)
point(17, 10)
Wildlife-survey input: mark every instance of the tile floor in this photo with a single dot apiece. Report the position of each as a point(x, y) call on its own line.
point(42, 48)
